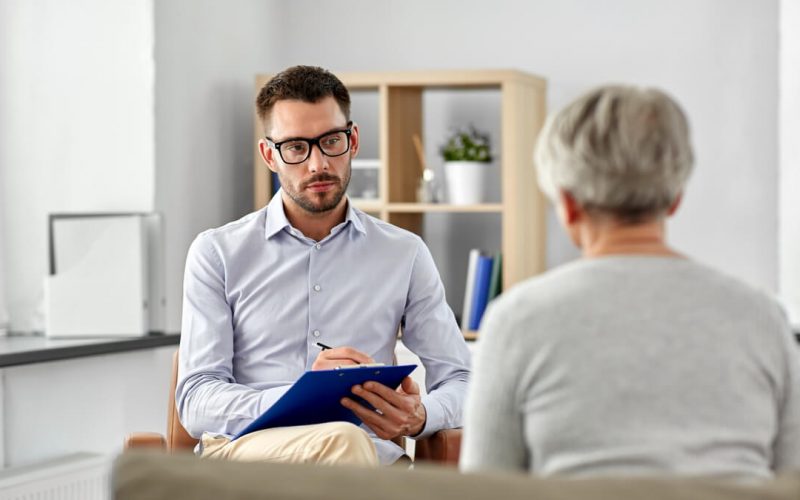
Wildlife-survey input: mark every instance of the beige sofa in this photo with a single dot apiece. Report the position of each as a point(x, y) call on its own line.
point(140, 476)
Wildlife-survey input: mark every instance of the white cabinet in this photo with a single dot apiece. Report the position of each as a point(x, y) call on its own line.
point(90, 404)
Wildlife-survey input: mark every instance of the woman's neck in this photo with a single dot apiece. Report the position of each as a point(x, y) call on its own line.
point(610, 237)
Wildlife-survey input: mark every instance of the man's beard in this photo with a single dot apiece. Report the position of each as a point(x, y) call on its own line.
point(309, 205)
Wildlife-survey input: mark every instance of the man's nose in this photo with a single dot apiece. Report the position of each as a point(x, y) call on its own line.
point(317, 160)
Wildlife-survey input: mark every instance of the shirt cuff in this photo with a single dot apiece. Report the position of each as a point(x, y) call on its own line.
point(434, 417)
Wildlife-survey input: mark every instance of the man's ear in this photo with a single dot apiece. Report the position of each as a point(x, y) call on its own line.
point(675, 204)
point(354, 141)
point(571, 211)
point(267, 154)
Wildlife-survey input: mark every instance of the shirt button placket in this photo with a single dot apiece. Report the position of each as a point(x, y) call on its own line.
point(314, 303)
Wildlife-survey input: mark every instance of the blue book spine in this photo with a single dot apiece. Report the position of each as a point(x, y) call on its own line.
point(483, 276)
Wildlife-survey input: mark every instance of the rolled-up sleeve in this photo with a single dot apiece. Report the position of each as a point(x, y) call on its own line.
point(207, 396)
point(431, 332)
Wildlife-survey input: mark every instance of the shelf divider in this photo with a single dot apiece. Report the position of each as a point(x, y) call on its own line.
point(444, 208)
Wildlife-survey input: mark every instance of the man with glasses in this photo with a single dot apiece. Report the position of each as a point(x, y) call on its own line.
point(262, 293)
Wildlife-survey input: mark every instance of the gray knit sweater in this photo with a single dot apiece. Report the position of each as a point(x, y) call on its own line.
point(634, 365)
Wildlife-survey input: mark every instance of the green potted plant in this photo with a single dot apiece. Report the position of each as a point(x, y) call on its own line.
point(467, 154)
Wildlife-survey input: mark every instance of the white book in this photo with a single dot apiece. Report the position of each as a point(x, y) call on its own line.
point(469, 289)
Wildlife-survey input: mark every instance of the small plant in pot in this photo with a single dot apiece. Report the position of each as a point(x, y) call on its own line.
point(467, 154)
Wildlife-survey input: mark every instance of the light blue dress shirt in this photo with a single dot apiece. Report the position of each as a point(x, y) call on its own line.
point(259, 295)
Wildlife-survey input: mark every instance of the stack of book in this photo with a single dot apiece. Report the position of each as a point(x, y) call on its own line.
point(484, 282)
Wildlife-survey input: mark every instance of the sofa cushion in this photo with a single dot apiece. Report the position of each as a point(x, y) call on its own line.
point(154, 476)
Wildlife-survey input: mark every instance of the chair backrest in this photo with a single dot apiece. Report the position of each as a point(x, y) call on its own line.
point(177, 437)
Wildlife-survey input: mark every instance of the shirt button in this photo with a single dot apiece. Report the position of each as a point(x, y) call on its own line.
point(317, 288)
point(316, 333)
point(317, 246)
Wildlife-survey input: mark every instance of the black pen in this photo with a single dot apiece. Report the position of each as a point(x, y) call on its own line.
point(324, 347)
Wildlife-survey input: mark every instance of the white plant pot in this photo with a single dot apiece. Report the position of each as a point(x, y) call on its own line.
point(466, 181)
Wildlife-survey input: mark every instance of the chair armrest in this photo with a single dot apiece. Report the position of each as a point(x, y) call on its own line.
point(140, 440)
point(443, 447)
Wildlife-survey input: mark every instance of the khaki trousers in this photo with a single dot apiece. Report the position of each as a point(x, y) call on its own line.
point(332, 443)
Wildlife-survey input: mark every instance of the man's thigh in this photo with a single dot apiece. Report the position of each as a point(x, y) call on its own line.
point(332, 443)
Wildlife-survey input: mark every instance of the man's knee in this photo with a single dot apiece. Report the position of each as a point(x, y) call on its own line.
point(348, 443)
point(346, 432)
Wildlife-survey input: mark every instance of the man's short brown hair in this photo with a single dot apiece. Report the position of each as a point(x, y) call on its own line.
point(302, 83)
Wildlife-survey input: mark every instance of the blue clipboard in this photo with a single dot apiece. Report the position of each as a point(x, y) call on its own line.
point(315, 397)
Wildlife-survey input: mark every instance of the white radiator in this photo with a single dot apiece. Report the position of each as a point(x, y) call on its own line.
point(82, 476)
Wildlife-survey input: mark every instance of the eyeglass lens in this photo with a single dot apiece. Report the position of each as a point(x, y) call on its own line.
point(297, 151)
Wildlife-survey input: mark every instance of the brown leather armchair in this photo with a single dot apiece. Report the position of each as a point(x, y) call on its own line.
point(442, 447)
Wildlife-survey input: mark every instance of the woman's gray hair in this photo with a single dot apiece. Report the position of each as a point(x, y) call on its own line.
point(618, 150)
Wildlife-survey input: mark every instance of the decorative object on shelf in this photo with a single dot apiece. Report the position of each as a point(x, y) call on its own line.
point(428, 190)
point(364, 179)
point(106, 275)
point(466, 154)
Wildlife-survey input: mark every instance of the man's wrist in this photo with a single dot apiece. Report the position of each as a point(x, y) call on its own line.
point(417, 431)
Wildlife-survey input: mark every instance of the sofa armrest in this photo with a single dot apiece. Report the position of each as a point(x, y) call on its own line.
point(140, 440)
point(443, 447)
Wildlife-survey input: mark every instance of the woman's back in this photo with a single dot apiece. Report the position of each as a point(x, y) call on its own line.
point(635, 365)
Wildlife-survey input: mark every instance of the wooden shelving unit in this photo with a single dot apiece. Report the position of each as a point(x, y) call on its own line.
point(522, 112)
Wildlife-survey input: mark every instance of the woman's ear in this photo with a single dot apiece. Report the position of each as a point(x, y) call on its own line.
point(675, 204)
point(569, 209)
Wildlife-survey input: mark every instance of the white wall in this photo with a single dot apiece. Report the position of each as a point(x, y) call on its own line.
point(207, 54)
point(717, 57)
point(789, 174)
point(76, 126)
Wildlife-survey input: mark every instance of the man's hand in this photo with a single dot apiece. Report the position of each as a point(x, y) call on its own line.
point(340, 356)
point(396, 413)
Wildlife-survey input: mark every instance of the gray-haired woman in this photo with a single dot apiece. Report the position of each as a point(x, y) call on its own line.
point(633, 360)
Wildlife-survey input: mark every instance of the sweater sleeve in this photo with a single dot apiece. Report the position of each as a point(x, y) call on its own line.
point(493, 431)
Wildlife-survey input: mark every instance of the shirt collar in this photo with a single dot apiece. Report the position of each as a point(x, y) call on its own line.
point(277, 221)
point(276, 217)
point(352, 216)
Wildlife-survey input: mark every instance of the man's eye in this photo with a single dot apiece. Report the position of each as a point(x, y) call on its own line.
point(294, 147)
point(331, 141)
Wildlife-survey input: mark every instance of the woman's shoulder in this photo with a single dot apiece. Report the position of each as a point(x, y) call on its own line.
point(591, 282)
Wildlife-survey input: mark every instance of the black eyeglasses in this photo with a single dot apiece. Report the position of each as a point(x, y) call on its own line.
point(297, 150)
